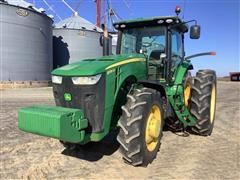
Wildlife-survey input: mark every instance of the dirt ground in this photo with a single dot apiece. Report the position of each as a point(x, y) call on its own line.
point(29, 156)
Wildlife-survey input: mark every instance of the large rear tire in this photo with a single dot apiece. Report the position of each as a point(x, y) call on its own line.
point(203, 101)
point(141, 127)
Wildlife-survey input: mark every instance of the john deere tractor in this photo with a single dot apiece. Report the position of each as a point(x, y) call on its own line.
point(145, 86)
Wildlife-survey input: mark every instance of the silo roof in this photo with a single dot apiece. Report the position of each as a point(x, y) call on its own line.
point(24, 4)
point(21, 3)
point(77, 22)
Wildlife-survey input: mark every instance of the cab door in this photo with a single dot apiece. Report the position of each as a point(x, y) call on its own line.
point(177, 52)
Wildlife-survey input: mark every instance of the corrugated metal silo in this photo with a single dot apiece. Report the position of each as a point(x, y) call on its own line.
point(75, 39)
point(25, 41)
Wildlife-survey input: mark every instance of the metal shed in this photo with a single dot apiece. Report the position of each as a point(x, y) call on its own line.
point(25, 41)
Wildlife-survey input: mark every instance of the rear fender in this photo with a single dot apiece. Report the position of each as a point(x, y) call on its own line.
point(181, 71)
point(175, 95)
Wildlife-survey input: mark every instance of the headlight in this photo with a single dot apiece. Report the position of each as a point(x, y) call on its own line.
point(86, 80)
point(57, 79)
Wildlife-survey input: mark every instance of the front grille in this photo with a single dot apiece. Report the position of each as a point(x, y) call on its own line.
point(89, 98)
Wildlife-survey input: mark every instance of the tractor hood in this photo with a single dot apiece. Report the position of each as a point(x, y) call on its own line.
point(88, 67)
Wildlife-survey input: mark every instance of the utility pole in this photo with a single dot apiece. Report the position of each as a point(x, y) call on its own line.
point(98, 13)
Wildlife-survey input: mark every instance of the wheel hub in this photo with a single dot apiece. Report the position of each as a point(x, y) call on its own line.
point(213, 103)
point(153, 128)
point(187, 94)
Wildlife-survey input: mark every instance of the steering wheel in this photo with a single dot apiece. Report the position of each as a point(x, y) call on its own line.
point(153, 61)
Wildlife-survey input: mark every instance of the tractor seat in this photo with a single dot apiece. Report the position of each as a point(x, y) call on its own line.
point(155, 55)
point(155, 68)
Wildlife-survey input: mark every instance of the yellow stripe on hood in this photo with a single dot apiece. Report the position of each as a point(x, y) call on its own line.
point(125, 62)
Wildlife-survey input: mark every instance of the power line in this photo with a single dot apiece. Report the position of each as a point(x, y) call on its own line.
point(128, 6)
point(78, 5)
point(184, 8)
point(50, 7)
point(69, 7)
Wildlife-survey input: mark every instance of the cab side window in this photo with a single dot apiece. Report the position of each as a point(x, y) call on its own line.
point(129, 44)
point(177, 49)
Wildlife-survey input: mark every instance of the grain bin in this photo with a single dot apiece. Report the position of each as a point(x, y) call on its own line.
point(25, 41)
point(75, 39)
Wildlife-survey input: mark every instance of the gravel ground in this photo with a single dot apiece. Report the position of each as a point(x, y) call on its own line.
point(29, 156)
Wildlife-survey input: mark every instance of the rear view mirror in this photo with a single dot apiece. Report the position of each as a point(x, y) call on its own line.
point(195, 32)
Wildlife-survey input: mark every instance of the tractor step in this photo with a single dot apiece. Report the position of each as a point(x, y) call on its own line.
point(65, 124)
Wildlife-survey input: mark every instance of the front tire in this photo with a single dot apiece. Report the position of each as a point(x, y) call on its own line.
point(203, 102)
point(141, 126)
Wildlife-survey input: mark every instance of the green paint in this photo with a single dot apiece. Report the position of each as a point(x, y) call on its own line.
point(51, 127)
point(175, 95)
point(67, 96)
point(57, 122)
point(90, 67)
point(68, 124)
point(135, 70)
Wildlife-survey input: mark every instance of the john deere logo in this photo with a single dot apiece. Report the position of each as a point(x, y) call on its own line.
point(67, 96)
point(22, 12)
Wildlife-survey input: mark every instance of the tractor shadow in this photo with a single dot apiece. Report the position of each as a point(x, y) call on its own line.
point(94, 151)
point(176, 129)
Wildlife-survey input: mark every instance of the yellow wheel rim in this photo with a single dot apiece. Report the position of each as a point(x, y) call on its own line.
point(213, 103)
point(187, 94)
point(153, 128)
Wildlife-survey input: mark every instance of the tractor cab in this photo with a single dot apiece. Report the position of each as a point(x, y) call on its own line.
point(160, 39)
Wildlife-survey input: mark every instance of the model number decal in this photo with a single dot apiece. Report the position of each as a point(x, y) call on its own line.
point(22, 12)
point(82, 33)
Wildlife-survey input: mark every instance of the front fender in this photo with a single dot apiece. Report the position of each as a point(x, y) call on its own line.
point(136, 70)
point(154, 85)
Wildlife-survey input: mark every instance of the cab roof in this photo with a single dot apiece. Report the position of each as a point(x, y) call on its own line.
point(153, 21)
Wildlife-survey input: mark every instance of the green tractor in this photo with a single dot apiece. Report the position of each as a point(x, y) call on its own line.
point(146, 85)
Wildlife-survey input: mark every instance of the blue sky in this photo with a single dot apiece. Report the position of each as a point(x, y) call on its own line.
point(219, 20)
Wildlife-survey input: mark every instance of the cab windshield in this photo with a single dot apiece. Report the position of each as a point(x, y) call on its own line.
point(143, 40)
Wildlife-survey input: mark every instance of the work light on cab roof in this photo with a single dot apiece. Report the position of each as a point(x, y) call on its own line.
point(177, 10)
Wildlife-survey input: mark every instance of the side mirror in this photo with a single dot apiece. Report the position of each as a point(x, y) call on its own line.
point(195, 32)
